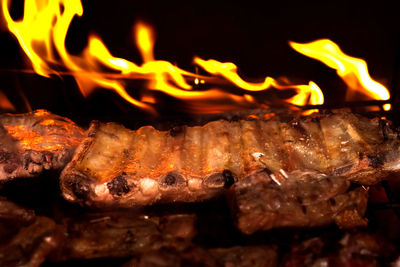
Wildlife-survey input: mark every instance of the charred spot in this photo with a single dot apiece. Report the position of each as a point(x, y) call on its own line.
point(219, 180)
point(118, 186)
point(375, 161)
point(342, 170)
point(9, 168)
point(169, 179)
point(172, 179)
point(383, 125)
point(299, 127)
point(127, 154)
point(4, 156)
point(176, 131)
point(81, 191)
point(267, 171)
point(304, 209)
point(27, 160)
point(129, 237)
point(332, 201)
point(299, 199)
point(229, 178)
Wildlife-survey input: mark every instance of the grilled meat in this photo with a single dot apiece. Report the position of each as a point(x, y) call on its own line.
point(122, 234)
point(245, 256)
point(305, 201)
point(349, 249)
point(26, 239)
point(36, 141)
point(114, 165)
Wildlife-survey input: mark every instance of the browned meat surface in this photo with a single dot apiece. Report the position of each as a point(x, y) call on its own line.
point(351, 249)
point(25, 239)
point(36, 141)
point(246, 256)
point(261, 204)
point(114, 165)
point(122, 234)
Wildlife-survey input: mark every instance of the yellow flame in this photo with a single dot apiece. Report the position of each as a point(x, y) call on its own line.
point(145, 40)
point(306, 94)
point(42, 32)
point(352, 70)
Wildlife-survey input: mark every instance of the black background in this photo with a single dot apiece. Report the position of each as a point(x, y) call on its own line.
point(253, 35)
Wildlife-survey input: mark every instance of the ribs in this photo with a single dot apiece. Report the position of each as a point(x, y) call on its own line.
point(348, 249)
point(36, 141)
point(307, 201)
point(122, 234)
point(117, 166)
point(241, 256)
point(26, 239)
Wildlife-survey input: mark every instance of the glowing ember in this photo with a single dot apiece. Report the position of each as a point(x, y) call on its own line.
point(353, 71)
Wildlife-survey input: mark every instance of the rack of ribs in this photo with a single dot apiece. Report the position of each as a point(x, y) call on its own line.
point(33, 142)
point(259, 203)
point(117, 166)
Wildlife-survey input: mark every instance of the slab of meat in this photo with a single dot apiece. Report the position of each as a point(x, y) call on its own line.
point(114, 165)
point(348, 249)
point(36, 141)
point(241, 256)
point(25, 239)
point(122, 234)
point(305, 201)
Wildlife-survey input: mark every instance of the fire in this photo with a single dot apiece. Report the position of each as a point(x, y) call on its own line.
point(352, 70)
point(42, 32)
point(5, 103)
point(43, 29)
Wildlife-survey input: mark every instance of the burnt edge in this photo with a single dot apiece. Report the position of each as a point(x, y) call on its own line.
point(118, 186)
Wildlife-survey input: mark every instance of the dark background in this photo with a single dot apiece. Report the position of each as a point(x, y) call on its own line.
point(253, 35)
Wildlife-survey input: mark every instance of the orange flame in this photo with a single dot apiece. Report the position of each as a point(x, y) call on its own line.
point(42, 32)
point(5, 103)
point(353, 71)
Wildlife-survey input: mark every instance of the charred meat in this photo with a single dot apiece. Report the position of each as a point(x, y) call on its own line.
point(122, 234)
point(26, 239)
point(307, 201)
point(36, 141)
point(114, 165)
point(350, 249)
point(241, 256)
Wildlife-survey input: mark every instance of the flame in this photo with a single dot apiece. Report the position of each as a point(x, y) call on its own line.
point(5, 103)
point(42, 32)
point(352, 70)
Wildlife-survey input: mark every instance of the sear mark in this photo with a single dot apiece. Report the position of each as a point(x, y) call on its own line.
point(342, 170)
point(172, 179)
point(4, 156)
point(383, 126)
point(375, 161)
point(81, 191)
point(176, 131)
point(229, 178)
point(118, 186)
point(10, 168)
point(219, 180)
